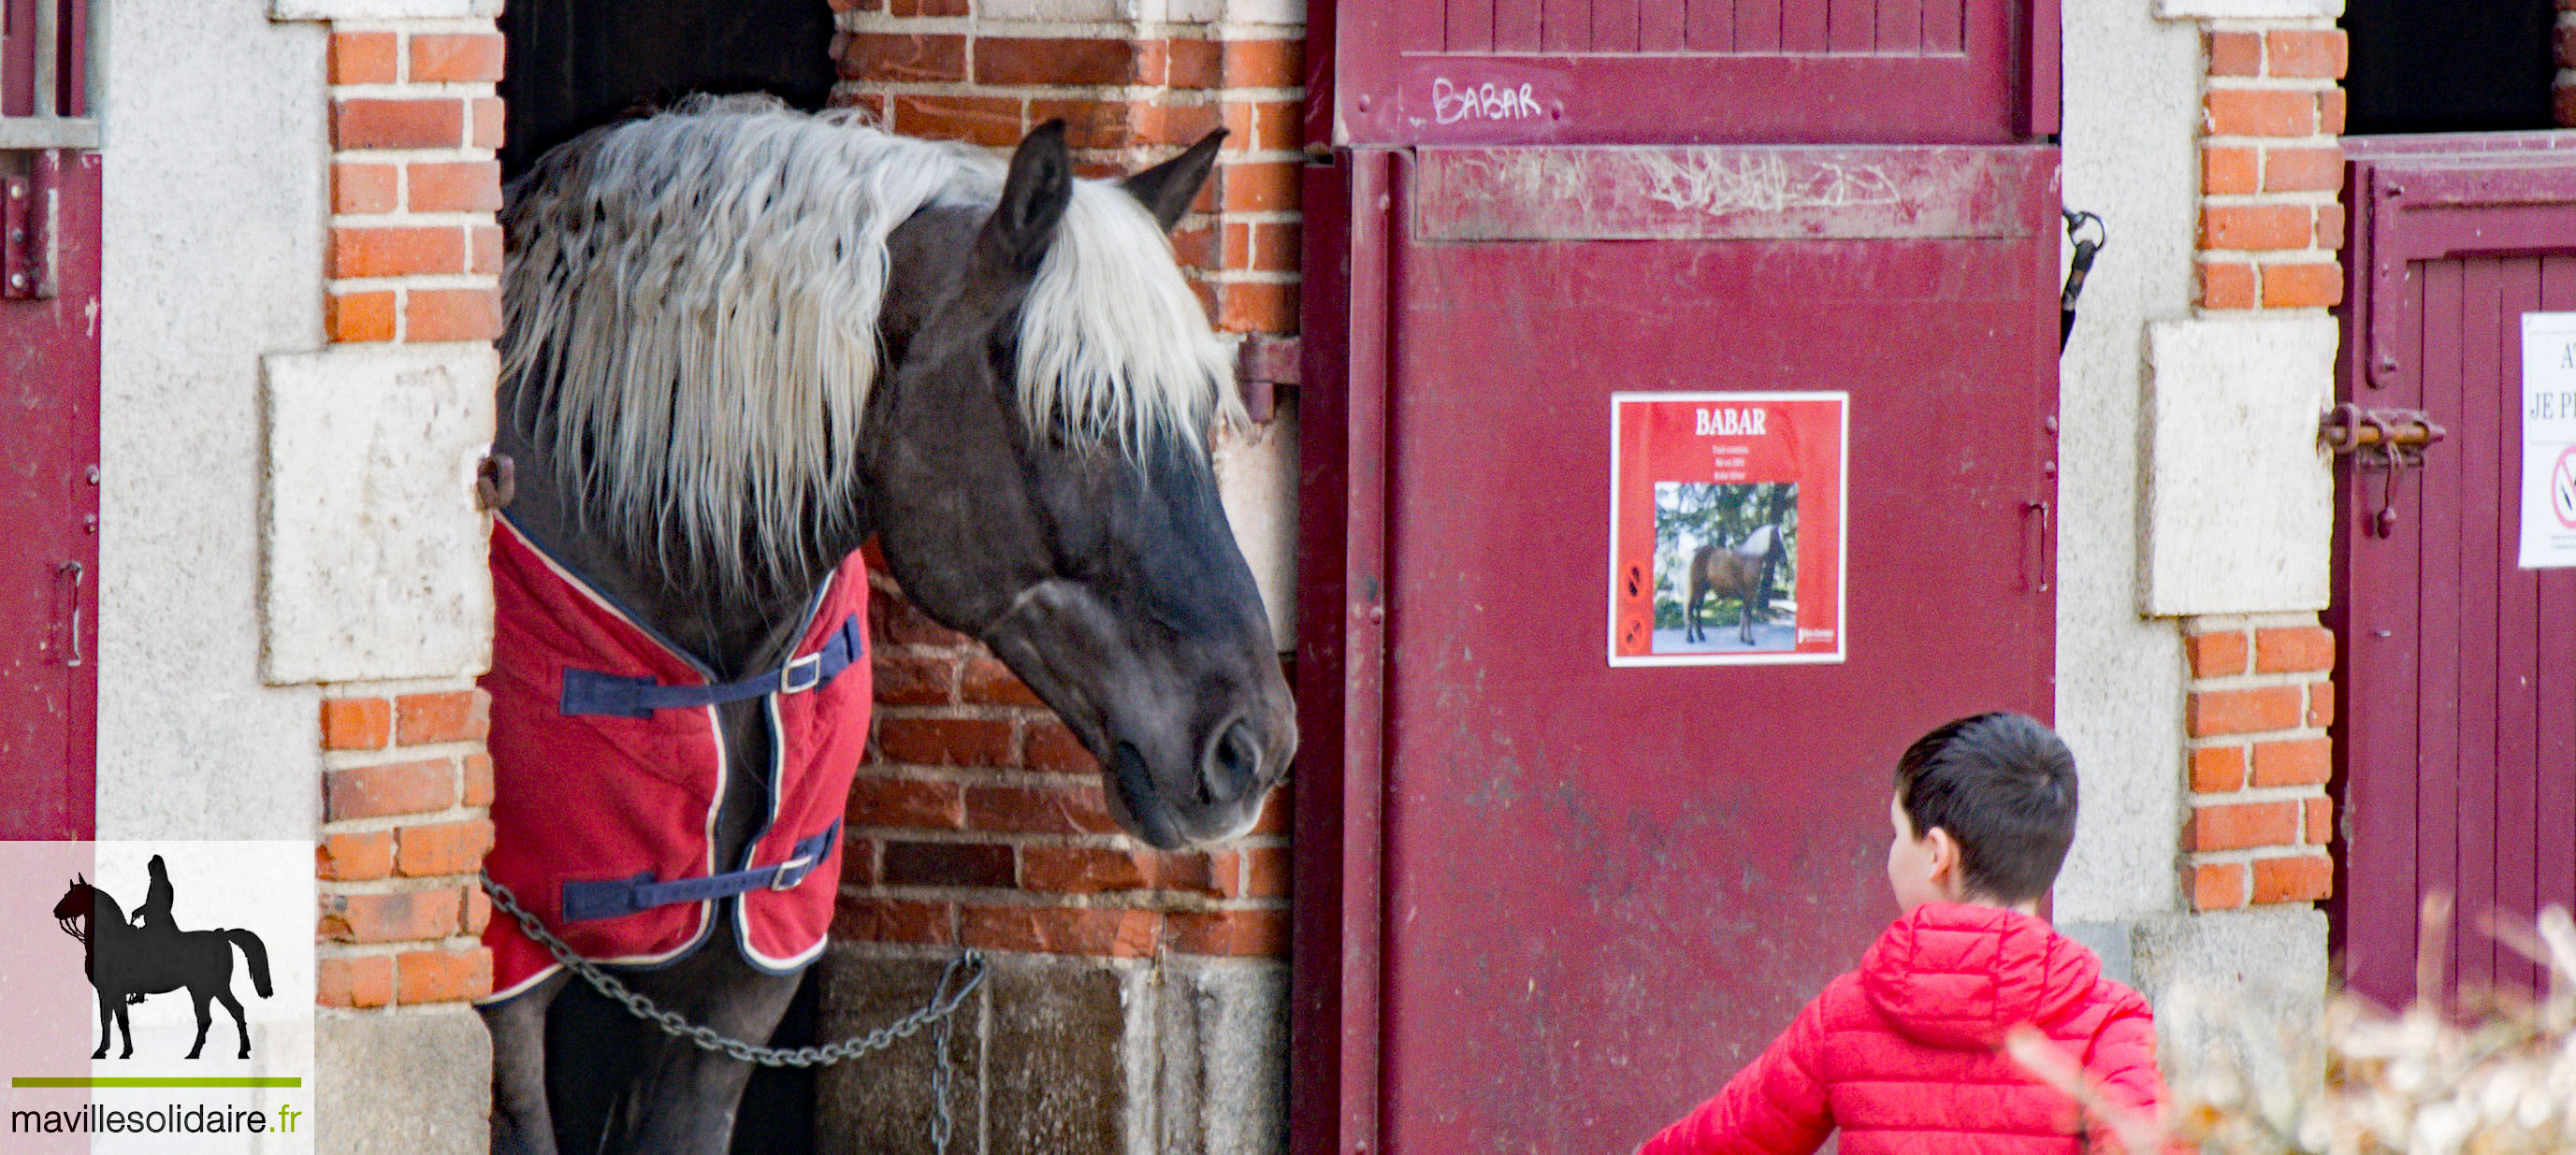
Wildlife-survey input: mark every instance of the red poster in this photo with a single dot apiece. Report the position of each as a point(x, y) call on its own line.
point(1726, 528)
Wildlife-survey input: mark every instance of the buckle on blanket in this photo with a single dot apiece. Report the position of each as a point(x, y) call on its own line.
point(812, 664)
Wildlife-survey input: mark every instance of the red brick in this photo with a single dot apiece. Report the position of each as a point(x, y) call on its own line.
point(1194, 64)
point(423, 787)
point(478, 780)
point(1097, 931)
point(2330, 227)
point(396, 252)
point(1277, 812)
point(2563, 40)
point(1276, 63)
point(478, 910)
point(1091, 870)
point(354, 857)
point(892, 621)
point(2226, 285)
point(877, 800)
point(2301, 170)
point(403, 917)
point(455, 716)
point(2319, 823)
point(904, 678)
point(2207, 713)
point(2218, 654)
point(2294, 649)
point(1178, 125)
point(1266, 872)
point(2314, 54)
point(867, 918)
point(355, 723)
point(490, 120)
point(360, 981)
point(2235, 53)
point(947, 864)
point(2331, 105)
point(2257, 226)
point(2302, 285)
point(364, 58)
point(452, 315)
point(1260, 933)
point(1263, 125)
point(2299, 878)
point(2217, 769)
point(1067, 62)
point(1039, 810)
point(453, 186)
point(1049, 745)
point(904, 57)
point(369, 122)
point(925, 7)
point(945, 741)
point(993, 121)
point(483, 249)
point(455, 57)
point(443, 976)
point(2243, 826)
point(2296, 762)
point(2217, 886)
point(2260, 112)
point(986, 681)
point(444, 848)
point(1257, 307)
point(365, 188)
point(1096, 123)
point(2321, 704)
point(2228, 170)
point(1260, 186)
point(351, 317)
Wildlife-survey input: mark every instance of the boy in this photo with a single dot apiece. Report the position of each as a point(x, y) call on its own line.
point(1905, 1054)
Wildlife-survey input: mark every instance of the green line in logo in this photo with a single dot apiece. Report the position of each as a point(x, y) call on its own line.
point(148, 1081)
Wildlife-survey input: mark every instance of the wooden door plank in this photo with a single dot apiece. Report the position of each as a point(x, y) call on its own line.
point(1614, 23)
point(1661, 24)
point(2554, 805)
point(1852, 26)
point(1565, 25)
point(1516, 26)
point(2437, 697)
point(2517, 632)
point(1758, 25)
point(1709, 25)
point(2480, 380)
point(1802, 25)
point(1469, 27)
point(1900, 27)
point(1945, 26)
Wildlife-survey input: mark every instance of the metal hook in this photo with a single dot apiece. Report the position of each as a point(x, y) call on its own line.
point(79, 574)
point(2079, 266)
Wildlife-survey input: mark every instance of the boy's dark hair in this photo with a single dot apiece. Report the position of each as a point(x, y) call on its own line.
point(2004, 787)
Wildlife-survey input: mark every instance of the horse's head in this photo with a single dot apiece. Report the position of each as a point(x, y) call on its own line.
point(77, 907)
point(1039, 477)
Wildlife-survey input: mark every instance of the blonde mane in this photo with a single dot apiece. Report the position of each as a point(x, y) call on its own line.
point(691, 305)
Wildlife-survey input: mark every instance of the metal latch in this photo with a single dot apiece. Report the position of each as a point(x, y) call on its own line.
point(2389, 441)
point(33, 238)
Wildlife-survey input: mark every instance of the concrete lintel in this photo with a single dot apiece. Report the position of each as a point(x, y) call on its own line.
point(414, 1082)
point(2240, 498)
point(374, 566)
point(383, 9)
point(2248, 9)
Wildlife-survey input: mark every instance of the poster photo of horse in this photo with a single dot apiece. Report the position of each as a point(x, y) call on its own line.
point(1726, 528)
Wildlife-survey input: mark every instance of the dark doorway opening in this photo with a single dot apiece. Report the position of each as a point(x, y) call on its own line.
point(576, 64)
point(2448, 66)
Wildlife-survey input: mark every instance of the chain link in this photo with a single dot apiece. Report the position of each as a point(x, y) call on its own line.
point(964, 974)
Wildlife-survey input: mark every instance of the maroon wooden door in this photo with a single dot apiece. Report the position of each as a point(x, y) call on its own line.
point(1548, 900)
point(2458, 737)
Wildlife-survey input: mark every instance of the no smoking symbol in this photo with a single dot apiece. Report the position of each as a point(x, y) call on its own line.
point(2562, 487)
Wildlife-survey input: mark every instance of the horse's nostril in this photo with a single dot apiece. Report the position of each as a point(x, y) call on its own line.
point(1232, 765)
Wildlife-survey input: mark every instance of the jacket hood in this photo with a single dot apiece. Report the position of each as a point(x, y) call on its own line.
point(1957, 977)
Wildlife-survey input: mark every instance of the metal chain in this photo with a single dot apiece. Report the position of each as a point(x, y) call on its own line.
point(966, 972)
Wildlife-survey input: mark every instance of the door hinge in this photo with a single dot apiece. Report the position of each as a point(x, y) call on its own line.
point(2389, 441)
point(33, 240)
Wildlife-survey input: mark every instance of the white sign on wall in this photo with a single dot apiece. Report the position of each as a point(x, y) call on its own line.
point(2548, 440)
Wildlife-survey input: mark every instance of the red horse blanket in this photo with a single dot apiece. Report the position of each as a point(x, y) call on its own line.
point(609, 765)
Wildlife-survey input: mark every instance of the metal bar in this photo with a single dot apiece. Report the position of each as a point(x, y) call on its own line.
point(1376, 230)
point(27, 132)
point(49, 54)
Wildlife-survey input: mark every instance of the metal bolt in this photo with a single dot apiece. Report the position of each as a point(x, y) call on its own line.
point(17, 280)
point(92, 473)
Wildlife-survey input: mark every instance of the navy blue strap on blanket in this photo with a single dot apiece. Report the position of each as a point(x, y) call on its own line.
point(592, 692)
point(610, 898)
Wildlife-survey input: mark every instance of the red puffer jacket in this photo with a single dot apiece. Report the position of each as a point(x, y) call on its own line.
point(1902, 1055)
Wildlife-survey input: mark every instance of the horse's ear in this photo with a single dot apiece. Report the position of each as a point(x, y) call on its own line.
point(1034, 196)
point(1167, 189)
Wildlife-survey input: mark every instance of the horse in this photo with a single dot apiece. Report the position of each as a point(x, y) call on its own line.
point(1741, 571)
point(125, 962)
point(740, 342)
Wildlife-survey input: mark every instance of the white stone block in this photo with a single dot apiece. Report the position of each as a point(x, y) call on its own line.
point(1058, 11)
point(2240, 498)
point(1256, 478)
point(382, 9)
point(2248, 9)
point(375, 564)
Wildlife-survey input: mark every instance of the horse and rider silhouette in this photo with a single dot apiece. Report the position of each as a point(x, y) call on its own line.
point(150, 955)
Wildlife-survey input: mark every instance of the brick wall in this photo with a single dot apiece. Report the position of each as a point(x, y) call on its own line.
point(2260, 702)
point(2271, 166)
point(414, 257)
